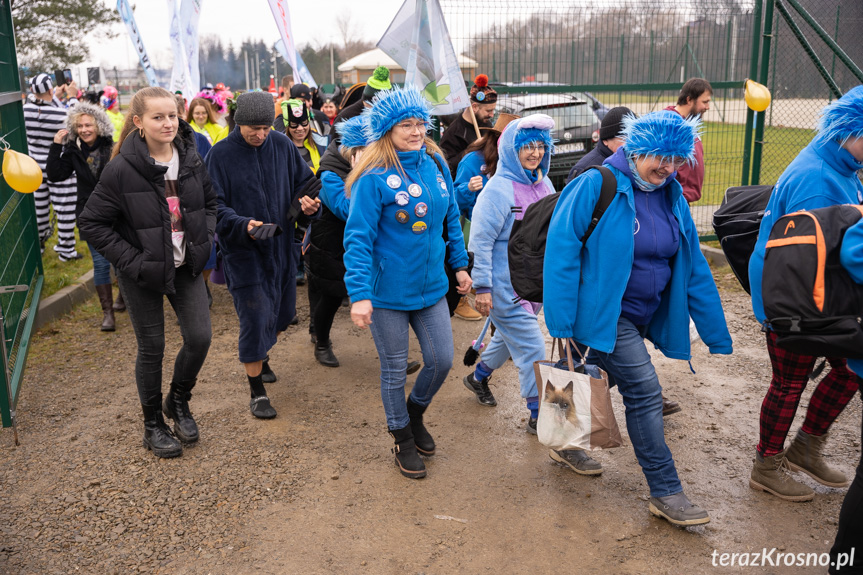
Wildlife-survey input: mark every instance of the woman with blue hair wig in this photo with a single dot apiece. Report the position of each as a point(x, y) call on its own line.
point(640, 275)
point(401, 199)
point(524, 155)
point(823, 174)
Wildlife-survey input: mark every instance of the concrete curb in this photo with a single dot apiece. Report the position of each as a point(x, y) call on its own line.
point(64, 300)
point(715, 256)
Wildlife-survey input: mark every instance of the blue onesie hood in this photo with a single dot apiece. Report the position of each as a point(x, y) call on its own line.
point(533, 128)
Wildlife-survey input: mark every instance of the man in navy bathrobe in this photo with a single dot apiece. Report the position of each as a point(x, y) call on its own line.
point(258, 177)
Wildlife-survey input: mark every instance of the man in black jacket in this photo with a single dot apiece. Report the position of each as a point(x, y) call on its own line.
point(461, 133)
point(610, 138)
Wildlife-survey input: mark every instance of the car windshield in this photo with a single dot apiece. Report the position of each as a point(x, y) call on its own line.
point(566, 115)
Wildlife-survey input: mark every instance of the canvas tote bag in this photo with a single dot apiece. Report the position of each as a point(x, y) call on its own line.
point(575, 404)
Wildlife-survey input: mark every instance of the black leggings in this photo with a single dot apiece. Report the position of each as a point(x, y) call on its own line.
point(850, 534)
point(322, 312)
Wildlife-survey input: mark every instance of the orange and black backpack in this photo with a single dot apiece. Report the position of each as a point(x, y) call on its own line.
point(810, 301)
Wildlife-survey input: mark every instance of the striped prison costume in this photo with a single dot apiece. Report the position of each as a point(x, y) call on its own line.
point(42, 121)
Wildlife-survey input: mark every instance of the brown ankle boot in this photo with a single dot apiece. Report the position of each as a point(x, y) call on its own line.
point(770, 474)
point(804, 454)
point(105, 299)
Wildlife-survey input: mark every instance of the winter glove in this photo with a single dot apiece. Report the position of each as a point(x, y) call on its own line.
point(312, 189)
point(265, 231)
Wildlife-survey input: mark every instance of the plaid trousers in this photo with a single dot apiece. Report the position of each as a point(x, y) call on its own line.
point(790, 376)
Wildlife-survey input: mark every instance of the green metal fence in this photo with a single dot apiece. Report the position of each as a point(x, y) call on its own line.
point(20, 259)
point(807, 54)
point(638, 53)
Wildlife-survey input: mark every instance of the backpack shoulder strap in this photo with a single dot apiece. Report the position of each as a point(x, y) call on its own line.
point(606, 195)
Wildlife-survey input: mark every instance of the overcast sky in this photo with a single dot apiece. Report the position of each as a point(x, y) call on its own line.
point(313, 21)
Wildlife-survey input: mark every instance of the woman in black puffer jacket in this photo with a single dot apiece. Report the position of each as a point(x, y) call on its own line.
point(153, 215)
point(84, 148)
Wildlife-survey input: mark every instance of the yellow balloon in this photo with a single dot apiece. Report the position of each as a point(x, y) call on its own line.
point(757, 96)
point(22, 173)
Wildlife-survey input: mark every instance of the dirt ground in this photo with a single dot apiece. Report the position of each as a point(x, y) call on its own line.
point(316, 491)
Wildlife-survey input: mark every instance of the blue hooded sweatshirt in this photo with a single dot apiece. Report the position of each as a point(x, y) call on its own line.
point(394, 247)
point(657, 238)
point(503, 201)
point(851, 257)
point(584, 284)
point(472, 164)
point(823, 174)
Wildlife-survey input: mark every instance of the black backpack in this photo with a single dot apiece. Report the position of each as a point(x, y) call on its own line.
point(526, 248)
point(736, 223)
point(810, 301)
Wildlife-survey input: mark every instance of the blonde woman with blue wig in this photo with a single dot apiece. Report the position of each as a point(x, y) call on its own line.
point(401, 197)
point(641, 275)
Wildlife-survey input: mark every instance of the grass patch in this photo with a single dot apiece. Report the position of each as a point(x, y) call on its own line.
point(61, 274)
point(723, 156)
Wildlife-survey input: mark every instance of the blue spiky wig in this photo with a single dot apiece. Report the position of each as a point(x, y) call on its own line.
point(843, 118)
point(389, 107)
point(527, 136)
point(352, 132)
point(663, 134)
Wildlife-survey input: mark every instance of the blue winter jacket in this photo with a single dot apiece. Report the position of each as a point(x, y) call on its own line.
point(823, 174)
point(493, 215)
point(333, 195)
point(584, 283)
point(851, 257)
point(394, 247)
point(471, 165)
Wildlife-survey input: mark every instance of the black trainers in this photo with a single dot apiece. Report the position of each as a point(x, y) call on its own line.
point(480, 388)
point(261, 407)
point(267, 375)
point(531, 426)
point(578, 460)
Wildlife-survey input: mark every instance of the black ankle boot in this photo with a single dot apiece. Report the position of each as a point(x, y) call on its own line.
point(157, 436)
point(422, 438)
point(408, 461)
point(324, 354)
point(176, 407)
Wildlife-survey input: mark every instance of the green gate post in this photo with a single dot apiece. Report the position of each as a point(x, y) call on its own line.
point(836, 38)
point(753, 73)
point(620, 72)
point(572, 63)
point(595, 57)
point(762, 79)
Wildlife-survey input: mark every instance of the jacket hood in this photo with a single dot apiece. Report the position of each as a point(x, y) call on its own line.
point(536, 127)
point(333, 161)
point(843, 119)
point(104, 126)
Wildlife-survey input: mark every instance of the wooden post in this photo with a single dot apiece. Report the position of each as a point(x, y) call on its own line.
point(473, 119)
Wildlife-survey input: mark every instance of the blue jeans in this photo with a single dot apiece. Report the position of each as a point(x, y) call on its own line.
point(630, 369)
point(101, 268)
point(147, 314)
point(434, 333)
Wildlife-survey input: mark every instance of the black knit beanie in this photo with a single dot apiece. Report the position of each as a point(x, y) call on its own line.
point(612, 123)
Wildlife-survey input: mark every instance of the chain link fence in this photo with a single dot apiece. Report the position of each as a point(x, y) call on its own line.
point(638, 53)
point(798, 88)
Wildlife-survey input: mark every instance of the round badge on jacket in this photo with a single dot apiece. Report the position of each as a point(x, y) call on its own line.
point(419, 227)
point(402, 198)
point(421, 210)
point(402, 217)
point(415, 190)
point(394, 181)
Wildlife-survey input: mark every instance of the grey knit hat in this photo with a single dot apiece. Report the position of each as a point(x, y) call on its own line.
point(255, 109)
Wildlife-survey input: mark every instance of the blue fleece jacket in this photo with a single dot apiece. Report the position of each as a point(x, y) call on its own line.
point(823, 174)
point(493, 217)
point(851, 257)
point(394, 247)
point(584, 283)
point(471, 165)
point(333, 195)
point(657, 238)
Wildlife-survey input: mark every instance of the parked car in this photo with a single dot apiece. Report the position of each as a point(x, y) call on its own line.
point(577, 126)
